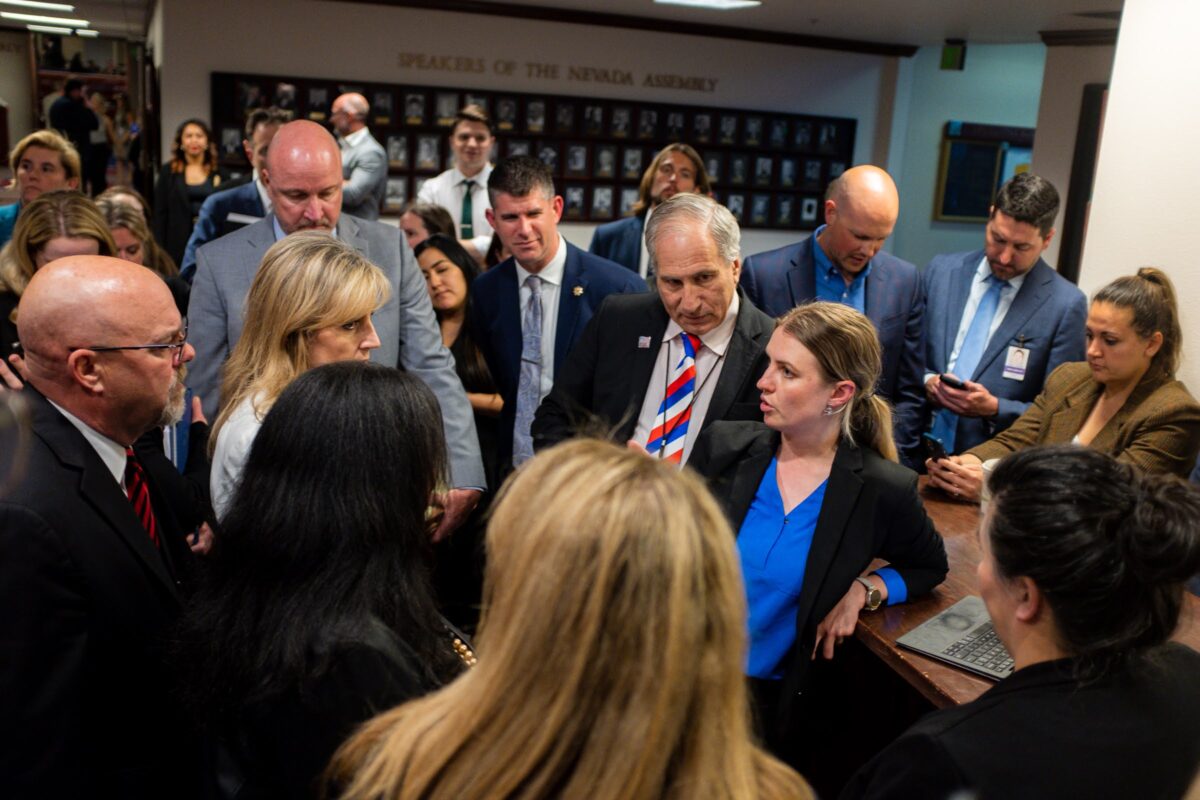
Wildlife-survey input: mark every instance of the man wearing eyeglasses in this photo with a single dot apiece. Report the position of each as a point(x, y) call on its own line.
point(92, 559)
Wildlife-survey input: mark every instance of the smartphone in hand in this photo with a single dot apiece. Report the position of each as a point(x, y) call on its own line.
point(934, 449)
point(952, 381)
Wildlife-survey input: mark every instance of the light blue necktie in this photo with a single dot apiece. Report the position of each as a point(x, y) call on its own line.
point(945, 422)
point(529, 388)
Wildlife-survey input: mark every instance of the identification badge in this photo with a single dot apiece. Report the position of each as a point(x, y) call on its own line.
point(1014, 363)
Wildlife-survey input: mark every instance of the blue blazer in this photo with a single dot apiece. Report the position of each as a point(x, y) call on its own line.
point(779, 280)
point(620, 241)
point(1047, 316)
point(8, 221)
point(210, 224)
point(496, 320)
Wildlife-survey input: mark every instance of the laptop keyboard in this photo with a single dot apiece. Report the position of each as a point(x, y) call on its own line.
point(982, 648)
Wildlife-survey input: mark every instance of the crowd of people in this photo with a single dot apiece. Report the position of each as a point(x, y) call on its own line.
point(405, 561)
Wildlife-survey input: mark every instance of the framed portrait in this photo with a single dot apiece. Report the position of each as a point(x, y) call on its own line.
point(517, 147)
point(785, 210)
point(573, 205)
point(250, 95)
point(836, 168)
point(631, 163)
point(739, 169)
point(629, 198)
point(760, 209)
point(476, 99)
point(381, 108)
point(812, 174)
point(808, 211)
point(285, 96)
point(787, 173)
point(622, 120)
point(764, 170)
point(593, 119)
point(736, 203)
point(506, 114)
point(778, 136)
point(714, 165)
point(494, 151)
point(576, 164)
point(827, 138)
point(675, 125)
point(564, 117)
point(414, 108)
point(318, 103)
point(535, 116)
point(547, 153)
point(753, 136)
point(802, 137)
point(605, 165)
point(396, 194)
point(231, 142)
point(729, 129)
point(602, 202)
point(397, 150)
point(702, 127)
point(446, 104)
point(428, 156)
point(647, 123)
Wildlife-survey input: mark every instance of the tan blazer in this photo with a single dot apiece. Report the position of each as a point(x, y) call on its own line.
point(1157, 430)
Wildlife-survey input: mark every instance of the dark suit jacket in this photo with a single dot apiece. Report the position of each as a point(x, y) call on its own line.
point(779, 280)
point(1157, 430)
point(173, 212)
point(84, 690)
point(871, 510)
point(210, 224)
point(620, 241)
point(1041, 735)
point(496, 320)
point(1047, 316)
point(606, 377)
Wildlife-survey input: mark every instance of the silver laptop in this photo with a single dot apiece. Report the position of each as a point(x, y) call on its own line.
point(963, 636)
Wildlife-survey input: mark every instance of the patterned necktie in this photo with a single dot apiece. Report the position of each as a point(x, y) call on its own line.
point(139, 494)
point(466, 228)
point(945, 422)
point(671, 423)
point(529, 389)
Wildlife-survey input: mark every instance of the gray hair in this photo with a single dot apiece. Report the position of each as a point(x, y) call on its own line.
point(687, 208)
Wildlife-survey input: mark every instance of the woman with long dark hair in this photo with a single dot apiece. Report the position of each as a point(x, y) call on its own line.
point(316, 610)
point(184, 182)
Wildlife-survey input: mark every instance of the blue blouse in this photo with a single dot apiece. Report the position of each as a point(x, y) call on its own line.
point(773, 545)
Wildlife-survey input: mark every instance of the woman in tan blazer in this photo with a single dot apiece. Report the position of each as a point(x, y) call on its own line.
point(1124, 400)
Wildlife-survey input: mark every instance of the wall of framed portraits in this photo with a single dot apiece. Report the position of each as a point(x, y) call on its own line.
point(769, 169)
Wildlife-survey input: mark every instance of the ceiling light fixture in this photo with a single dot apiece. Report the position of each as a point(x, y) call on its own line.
point(49, 29)
point(37, 4)
point(74, 23)
point(87, 34)
point(715, 5)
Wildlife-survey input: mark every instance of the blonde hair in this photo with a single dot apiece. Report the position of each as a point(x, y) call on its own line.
point(846, 345)
point(50, 140)
point(118, 214)
point(49, 216)
point(307, 281)
point(610, 652)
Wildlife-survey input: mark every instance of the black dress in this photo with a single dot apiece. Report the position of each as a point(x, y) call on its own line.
point(175, 207)
point(8, 328)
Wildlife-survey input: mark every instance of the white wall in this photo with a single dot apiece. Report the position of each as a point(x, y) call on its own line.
point(1068, 70)
point(14, 85)
point(336, 40)
point(1000, 86)
point(1145, 201)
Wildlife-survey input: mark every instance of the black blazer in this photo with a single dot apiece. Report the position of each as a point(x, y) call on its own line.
point(84, 700)
point(871, 510)
point(173, 216)
point(606, 375)
point(1040, 733)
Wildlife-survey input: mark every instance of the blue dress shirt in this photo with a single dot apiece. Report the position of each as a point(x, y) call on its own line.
point(832, 286)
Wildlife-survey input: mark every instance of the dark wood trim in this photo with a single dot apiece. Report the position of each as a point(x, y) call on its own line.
point(1083, 175)
point(1088, 38)
point(595, 18)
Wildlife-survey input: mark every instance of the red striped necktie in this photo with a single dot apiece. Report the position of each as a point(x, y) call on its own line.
point(669, 434)
point(139, 494)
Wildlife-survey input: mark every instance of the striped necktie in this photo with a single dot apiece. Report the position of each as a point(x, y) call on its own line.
point(139, 494)
point(667, 438)
point(466, 228)
point(529, 382)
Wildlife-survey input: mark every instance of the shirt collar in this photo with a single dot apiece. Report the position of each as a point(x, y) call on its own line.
point(718, 338)
point(552, 272)
point(827, 268)
point(984, 271)
point(112, 453)
point(480, 178)
point(358, 137)
point(262, 195)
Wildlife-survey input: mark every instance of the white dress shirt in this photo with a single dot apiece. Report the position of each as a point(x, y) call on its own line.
point(709, 362)
point(447, 190)
point(552, 277)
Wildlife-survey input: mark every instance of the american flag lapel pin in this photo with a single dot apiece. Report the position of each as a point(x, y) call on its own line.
point(643, 343)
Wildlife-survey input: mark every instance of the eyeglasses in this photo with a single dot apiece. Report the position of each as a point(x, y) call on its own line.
point(176, 347)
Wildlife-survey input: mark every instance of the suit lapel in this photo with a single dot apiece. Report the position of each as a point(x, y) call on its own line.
point(574, 277)
point(739, 360)
point(748, 473)
point(633, 242)
point(507, 338)
point(1029, 299)
point(879, 293)
point(801, 281)
point(638, 362)
point(960, 290)
point(260, 237)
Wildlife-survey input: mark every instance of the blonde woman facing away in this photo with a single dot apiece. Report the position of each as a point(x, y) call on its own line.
point(610, 653)
point(310, 304)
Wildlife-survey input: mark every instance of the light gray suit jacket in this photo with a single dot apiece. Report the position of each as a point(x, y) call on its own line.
point(365, 167)
point(407, 328)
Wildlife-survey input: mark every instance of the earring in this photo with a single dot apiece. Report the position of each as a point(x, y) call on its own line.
point(829, 412)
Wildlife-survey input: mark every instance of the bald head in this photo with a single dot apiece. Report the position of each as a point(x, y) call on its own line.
point(349, 113)
point(303, 175)
point(861, 208)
